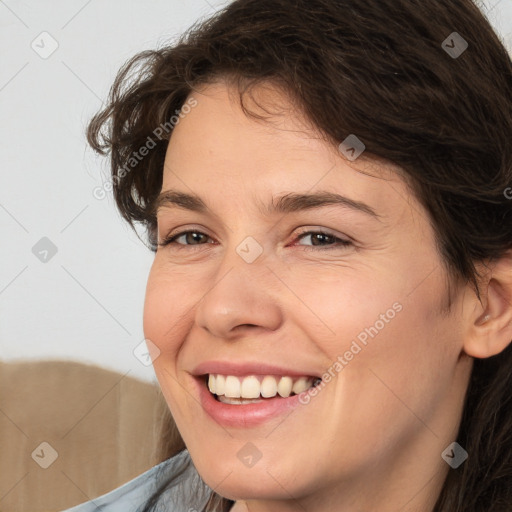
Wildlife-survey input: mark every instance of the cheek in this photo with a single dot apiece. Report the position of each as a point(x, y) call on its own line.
point(388, 347)
point(168, 305)
point(162, 309)
point(342, 307)
point(166, 301)
point(374, 313)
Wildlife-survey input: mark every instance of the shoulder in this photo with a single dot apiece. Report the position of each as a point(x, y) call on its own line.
point(132, 496)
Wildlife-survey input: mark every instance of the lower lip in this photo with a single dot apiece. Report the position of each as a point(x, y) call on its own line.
point(246, 415)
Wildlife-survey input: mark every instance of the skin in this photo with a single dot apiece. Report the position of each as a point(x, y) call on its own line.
point(372, 438)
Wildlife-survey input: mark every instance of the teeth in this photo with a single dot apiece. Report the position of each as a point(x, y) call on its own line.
point(284, 388)
point(232, 387)
point(211, 383)
point(220, 384)
point(238, 401)
point(300, 385)
point(268, 387)
point(251, 387)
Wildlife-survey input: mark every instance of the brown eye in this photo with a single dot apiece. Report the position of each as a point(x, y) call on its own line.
point(321, 239)
point(190, 237)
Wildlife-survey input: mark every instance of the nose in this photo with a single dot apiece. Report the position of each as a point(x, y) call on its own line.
point(243, 296)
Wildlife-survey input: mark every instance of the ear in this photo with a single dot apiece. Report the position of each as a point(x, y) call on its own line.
point(489, 325)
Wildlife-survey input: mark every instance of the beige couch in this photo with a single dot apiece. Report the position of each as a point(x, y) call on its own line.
point(100, 429)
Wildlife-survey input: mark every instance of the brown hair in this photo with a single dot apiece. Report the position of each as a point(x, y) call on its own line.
point(378, 69)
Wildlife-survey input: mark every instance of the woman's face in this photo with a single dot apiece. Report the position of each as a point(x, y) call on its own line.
point(249, 293)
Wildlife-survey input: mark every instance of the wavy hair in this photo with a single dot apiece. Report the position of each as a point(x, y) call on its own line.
point(378, 69)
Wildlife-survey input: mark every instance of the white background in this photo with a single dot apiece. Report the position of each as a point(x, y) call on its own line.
point(86, 302)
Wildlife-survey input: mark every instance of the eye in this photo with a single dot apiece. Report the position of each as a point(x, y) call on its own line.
point(320, 239)
point(190, 237)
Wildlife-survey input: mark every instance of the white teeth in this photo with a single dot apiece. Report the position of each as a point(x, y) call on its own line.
point(252, 387)
point(238, 401)
point(232, 387)
point(300, 385)
point(284, 388)
point(220, 384)
point(211, 383)
point(268, 387)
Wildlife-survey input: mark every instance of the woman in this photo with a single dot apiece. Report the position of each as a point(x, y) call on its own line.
point(326, 186)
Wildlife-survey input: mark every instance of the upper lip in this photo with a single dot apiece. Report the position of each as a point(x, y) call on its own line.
point(244, 368)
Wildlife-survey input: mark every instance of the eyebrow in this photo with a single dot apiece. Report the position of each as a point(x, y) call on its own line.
point(287, 203)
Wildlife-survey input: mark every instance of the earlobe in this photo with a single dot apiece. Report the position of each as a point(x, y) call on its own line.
point(490, 329)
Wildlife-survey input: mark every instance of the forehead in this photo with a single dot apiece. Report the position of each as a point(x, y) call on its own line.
point(218, 150)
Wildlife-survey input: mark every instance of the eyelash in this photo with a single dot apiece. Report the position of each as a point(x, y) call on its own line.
point(171, 239)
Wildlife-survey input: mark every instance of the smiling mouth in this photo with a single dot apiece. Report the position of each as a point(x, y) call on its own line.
point(236, 390)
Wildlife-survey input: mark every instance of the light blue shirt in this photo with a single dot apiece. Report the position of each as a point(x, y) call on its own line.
point(188, 492)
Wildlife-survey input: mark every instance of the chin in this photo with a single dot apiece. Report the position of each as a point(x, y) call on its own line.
point(263, 481)
point(253, 486)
